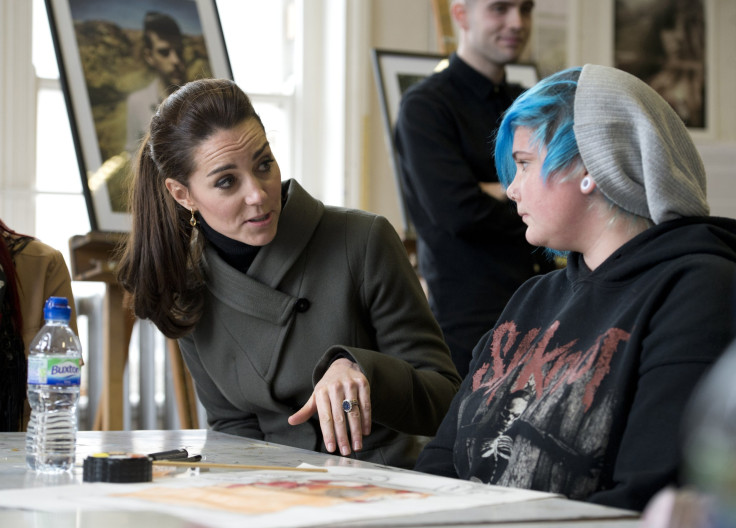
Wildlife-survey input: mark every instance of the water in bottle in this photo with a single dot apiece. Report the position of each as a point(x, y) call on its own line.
point(53, 391)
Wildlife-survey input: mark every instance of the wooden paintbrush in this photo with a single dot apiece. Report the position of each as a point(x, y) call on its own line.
point(179, 463)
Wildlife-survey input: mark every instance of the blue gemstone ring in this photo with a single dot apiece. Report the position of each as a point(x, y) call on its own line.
point(349, 405)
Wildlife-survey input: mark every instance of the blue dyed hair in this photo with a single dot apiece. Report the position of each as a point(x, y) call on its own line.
point(547, 109)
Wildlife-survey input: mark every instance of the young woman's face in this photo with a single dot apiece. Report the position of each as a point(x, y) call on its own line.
point(236, 184)
point(551, 210)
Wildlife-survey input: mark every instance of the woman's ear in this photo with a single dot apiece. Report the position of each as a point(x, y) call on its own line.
point(587, 185)
point(179, 192)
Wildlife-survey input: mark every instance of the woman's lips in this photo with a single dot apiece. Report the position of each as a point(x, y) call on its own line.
point(259, 219)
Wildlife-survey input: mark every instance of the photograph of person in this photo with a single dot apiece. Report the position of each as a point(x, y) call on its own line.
point(163, 51)
point(663, 43)
point(133, 54)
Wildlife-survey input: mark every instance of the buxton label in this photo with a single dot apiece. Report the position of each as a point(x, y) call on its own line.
point(54, 371)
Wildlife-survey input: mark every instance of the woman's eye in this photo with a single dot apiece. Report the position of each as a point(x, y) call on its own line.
point(225, 182)
point(265, 165)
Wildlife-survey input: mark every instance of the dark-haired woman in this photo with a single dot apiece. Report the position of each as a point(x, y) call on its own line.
point(301, 324)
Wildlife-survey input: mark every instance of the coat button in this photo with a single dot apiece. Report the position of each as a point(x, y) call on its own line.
point(302, 305)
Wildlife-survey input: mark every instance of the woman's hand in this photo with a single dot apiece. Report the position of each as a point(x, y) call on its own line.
point(343, 381)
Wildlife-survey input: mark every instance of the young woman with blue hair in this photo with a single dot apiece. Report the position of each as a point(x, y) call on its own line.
point(608, 349)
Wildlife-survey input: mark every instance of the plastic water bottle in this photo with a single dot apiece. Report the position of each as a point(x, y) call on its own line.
point(53, 391)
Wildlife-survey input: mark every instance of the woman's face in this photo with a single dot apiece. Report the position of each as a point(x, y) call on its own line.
point(551, 210)
point(235, 185)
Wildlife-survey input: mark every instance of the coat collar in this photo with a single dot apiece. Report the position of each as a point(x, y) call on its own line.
point(245, 294)
point(299, 218)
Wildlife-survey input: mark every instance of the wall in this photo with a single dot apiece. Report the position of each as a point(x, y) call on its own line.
point(409, 25)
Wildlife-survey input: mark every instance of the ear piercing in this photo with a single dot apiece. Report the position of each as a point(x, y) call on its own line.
point(586, 183)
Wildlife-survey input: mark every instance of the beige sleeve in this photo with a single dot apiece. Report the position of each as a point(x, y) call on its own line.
point(42, 273)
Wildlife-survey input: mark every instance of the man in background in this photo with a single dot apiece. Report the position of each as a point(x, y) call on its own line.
point(470, 242)
point(162, 51)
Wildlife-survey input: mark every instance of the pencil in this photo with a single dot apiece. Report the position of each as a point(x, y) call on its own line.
point(179, 463)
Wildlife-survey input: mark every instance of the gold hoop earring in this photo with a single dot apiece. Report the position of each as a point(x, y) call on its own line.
point(193, 220)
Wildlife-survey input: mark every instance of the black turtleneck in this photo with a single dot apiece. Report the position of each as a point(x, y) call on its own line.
point(238, 254)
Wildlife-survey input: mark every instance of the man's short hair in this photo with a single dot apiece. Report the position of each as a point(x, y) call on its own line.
point(163, 25)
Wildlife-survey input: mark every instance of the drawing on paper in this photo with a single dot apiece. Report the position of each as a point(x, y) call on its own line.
point(263, 497)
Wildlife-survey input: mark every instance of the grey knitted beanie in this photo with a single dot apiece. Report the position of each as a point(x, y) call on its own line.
point(636, 148)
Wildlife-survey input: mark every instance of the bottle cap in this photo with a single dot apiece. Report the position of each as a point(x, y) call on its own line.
point(57, 309)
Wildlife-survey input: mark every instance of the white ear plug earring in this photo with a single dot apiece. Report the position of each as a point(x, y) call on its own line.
point(586, 183)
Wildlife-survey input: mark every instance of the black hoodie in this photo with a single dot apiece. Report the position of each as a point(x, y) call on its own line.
point(580, 386)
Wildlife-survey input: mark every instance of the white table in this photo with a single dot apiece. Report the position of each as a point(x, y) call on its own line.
point(547, 512)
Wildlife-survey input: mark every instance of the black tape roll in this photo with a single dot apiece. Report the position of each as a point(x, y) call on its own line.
point(116, 467)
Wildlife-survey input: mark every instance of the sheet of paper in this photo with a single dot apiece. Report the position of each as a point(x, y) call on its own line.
point(273, 499)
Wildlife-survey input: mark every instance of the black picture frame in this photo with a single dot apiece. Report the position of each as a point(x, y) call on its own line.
point(395, 71)
point(98, 47)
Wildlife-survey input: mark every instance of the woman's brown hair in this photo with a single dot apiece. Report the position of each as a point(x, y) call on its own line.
point(160, 264)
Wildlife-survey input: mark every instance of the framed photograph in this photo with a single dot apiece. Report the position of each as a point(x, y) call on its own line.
point(117, 60)
point(395, 71)
point(664, 43)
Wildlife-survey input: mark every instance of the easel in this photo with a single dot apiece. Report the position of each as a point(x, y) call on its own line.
point(443, 26)
point(93, 259)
